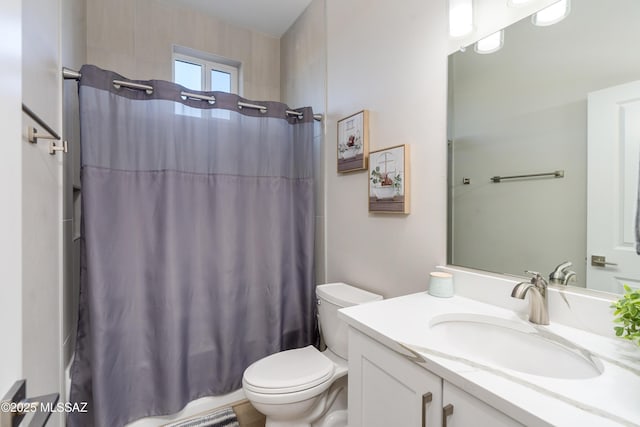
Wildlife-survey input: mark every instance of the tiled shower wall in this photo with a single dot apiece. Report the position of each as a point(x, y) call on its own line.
point(136, 38)
point(303, 64)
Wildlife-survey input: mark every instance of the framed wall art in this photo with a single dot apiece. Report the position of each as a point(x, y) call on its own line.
point(389, 180)
point(353, 142)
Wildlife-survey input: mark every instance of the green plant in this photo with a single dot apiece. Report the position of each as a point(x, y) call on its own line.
point(627, 312)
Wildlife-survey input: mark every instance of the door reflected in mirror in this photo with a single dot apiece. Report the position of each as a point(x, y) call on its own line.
point(564, 97)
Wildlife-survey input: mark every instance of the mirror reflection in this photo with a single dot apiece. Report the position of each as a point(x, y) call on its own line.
point(560, 103)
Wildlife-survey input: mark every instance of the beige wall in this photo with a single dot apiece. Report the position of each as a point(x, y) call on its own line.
point(303, 59)
point(135, 38)
point(303, 65)
point(392, 61)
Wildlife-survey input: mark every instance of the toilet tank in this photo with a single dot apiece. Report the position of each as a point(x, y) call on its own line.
point(331, 298)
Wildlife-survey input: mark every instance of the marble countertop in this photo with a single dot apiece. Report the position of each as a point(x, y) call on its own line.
point(610, 399)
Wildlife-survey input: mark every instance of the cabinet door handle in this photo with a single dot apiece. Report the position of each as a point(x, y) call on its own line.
point(426, 398)
point(446, 411)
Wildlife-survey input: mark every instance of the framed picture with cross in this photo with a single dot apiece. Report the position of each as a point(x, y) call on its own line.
point(389, 180)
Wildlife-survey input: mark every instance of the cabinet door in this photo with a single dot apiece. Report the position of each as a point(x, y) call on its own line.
point(465, 410)
point(386, 389)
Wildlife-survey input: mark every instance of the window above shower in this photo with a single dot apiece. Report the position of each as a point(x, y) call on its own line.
point(204, 72)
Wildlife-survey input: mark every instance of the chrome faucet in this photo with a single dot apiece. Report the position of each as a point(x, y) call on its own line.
point(538, 302)
point(561, 275)
point(569, 276)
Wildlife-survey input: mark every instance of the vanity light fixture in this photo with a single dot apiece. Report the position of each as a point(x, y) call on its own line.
point(552, 14)
point(460, 18)
point(490, 44)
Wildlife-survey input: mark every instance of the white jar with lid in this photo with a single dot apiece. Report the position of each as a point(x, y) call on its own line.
point(441, 284)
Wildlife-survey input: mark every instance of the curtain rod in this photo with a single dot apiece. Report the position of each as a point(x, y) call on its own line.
point(69, 74)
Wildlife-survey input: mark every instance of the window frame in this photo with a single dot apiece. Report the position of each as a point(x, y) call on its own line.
point(207, 65)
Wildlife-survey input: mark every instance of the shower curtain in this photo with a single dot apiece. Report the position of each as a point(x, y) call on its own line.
point(197, 245)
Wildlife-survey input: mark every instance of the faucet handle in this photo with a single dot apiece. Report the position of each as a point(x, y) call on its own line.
point(537, 279)
point(562, 267)
point(533, 274)
point(559, 273)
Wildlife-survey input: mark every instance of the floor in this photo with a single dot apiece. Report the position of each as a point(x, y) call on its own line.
point(248, 416)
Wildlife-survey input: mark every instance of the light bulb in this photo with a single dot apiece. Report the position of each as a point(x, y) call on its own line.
point(491, 43)
point(460, 17)
point(552, 14)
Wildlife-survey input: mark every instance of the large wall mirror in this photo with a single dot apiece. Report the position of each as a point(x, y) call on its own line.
point(561, 100)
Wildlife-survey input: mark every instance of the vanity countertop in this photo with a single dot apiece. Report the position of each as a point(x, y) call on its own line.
point(610, 399)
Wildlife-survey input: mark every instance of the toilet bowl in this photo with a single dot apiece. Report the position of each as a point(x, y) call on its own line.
point(305, 387)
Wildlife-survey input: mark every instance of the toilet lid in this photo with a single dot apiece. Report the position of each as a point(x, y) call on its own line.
point(288, 371)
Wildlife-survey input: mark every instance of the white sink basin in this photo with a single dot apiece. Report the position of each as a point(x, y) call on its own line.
point(512, 345)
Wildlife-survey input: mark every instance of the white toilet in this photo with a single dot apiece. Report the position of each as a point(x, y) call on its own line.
point(305, 387)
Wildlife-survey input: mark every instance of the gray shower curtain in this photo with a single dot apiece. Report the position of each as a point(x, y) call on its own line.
point(197, 245)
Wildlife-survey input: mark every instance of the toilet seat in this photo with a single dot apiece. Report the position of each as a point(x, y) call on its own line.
point(289, 371)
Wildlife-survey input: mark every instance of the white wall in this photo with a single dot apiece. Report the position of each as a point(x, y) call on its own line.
point(391, 61)
point(42, 202)
point(31, 219)
point(303, 66)
point(10, 196)
point(523, 110)
point(135, 38)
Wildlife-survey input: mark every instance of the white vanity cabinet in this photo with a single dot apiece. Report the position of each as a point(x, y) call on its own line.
point(462, 409)
point(387, 389)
